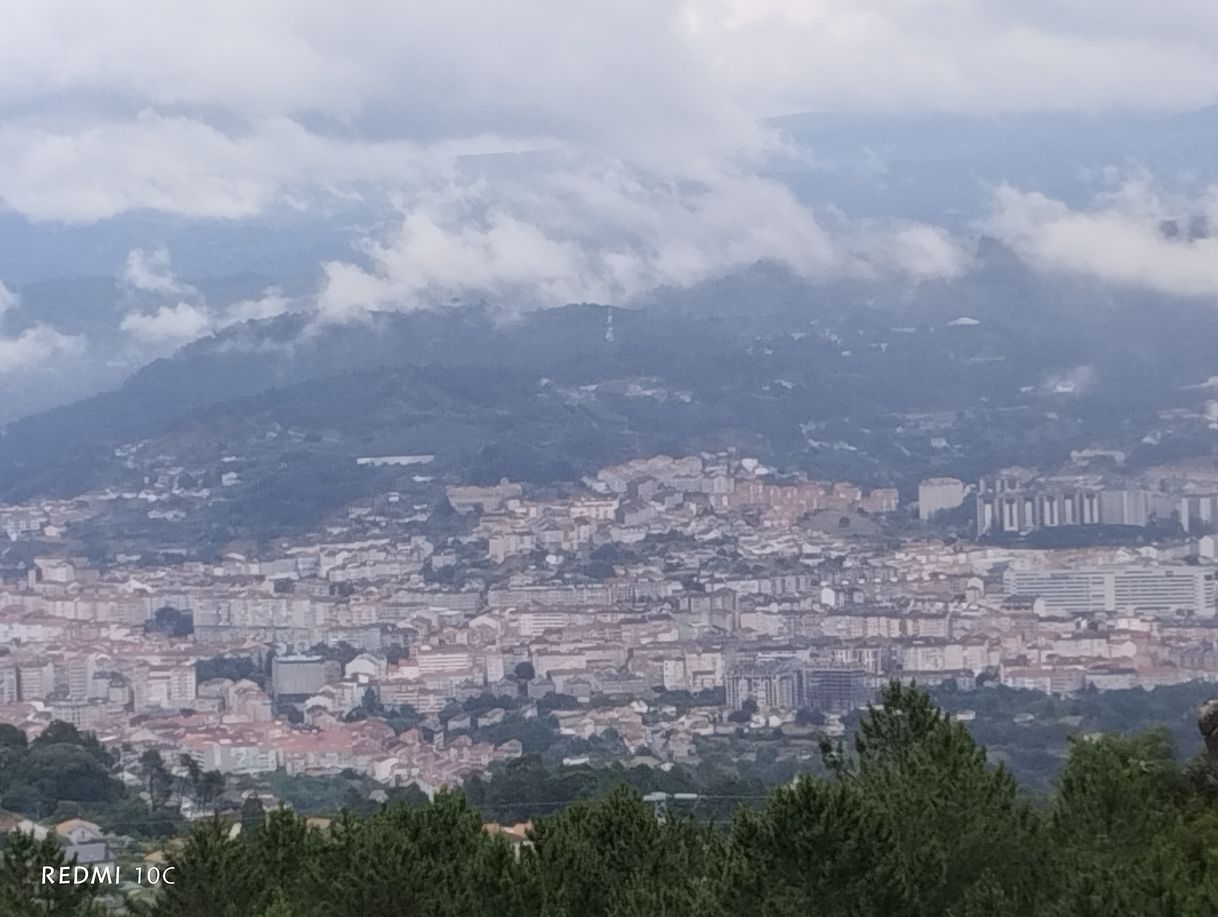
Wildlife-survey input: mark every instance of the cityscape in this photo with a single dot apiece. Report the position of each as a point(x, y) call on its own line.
point(766, 601)
point(669, 458)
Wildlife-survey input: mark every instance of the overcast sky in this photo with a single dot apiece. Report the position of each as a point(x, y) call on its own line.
point(650, 112)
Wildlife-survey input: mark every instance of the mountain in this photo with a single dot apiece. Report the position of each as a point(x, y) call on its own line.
point(866, 381)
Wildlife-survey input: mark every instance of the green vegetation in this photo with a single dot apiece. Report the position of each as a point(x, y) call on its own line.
point(171, 622)
point(232, 667)
point(1035, 747)
point(912, 819)
point(65, 773)
point(62, 765)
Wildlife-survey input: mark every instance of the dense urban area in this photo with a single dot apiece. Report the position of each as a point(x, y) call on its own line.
point(696, 626)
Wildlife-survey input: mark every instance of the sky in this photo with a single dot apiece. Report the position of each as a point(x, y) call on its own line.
point(552, 150)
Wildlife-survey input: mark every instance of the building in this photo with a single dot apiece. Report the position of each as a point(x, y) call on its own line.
point(772, 686)
point(833, 688)
point(297, 675)
point(8, 684)
point(35, 679)
point(825, 686)
point(938, 494)
point(1011, 504)
point(1198, 512)
point(1159, 590)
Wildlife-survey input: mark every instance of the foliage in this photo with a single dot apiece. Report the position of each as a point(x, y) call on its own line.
point(231, 667)
point(171, 622)
point(911, 818)
point(61, 764)
point(22, 891)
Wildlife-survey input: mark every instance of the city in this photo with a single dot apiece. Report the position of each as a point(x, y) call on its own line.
point(672, 458)
point(766, 601)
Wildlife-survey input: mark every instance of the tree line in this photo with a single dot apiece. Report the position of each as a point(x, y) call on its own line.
point(910, 819)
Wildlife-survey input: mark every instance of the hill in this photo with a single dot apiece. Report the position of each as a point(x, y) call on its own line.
point(861, 381)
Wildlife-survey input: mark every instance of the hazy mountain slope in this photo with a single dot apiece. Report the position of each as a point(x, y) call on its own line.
point(823, 377)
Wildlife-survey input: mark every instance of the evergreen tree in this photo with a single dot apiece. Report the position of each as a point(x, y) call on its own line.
point(913, 821)
point(22, 891)
point(615, 857)
point(253, 815)
point(214, 876)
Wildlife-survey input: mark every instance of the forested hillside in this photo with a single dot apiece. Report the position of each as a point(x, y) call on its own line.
point(912, 820)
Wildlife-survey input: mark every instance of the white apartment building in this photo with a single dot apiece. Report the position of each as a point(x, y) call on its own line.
point(1158, 590)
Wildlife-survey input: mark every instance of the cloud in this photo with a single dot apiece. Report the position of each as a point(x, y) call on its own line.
point(149, 271)
point(1075, 381)
point(1133, 236)
point(271, 303)
point(169, 311)
point(86, 172)
point(916, 251)
point(168, 324)
point(609, 235)
point(34, 346)
point(8, 299)
point(564, 154)
point(225, 109)
point(963, 55)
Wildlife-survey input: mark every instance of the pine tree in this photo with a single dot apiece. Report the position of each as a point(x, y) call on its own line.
point(22, 891)
point(214, 876)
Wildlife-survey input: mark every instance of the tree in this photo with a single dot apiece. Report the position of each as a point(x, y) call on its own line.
point(194, 774)
point(22, 891)
point(252, 817)
point(370, 703)
point(170, 621)
point(614, 857)
point(954, 823)
point(214, 876)
point(806, 716)
point(357, 803)
point(160, 782)
point(40, 779)
point(210, 788)
point(911, 819)
point(60, 733)
point(132, 817)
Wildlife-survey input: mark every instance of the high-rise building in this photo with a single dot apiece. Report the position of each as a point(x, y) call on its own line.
point(1008, 503)
point(8, 683)
point(1198, 512)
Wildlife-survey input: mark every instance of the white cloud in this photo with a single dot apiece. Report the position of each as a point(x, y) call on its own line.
point(963, 55)
point(170, 312)
point(914, 250)
point(149, 271)
point(8, 299)
point(168, 324)
point(32, 347)
point(201, 109)
point(35, 346)
point(648, 113)
point(271, 303)
point(1123, 239)
point(608, 236)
